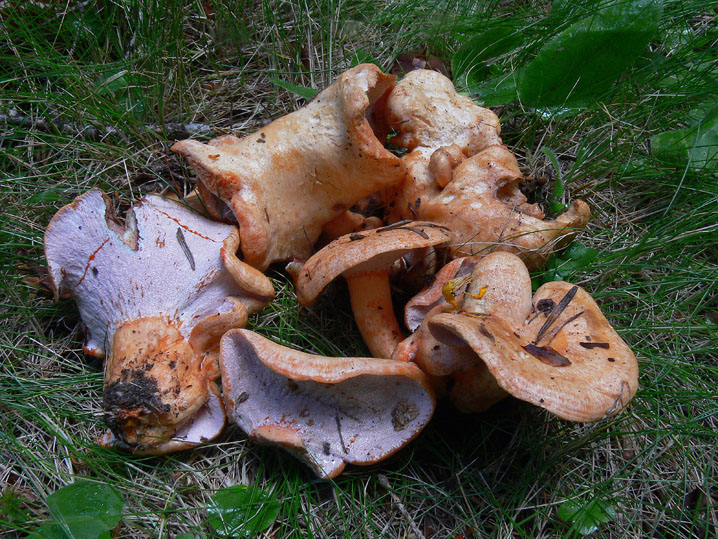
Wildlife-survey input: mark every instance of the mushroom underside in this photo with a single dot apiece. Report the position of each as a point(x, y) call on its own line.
point(368, 411)
point(155, 295)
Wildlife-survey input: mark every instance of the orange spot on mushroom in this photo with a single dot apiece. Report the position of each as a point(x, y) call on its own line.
point(188, 229)
point(90, 259)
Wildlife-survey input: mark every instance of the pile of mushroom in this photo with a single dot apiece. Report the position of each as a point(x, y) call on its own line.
point(166, 299)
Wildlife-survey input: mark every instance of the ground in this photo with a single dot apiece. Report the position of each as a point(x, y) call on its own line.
point(94, 93)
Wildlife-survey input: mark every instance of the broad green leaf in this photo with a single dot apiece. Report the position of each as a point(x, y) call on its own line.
point(584, 60)
point(702, 113)
point(86, 510)
point(11, 506)
point(498, 90)
point(49, 530)
point(695, 147)
point(115, 83)
point(185, 535)
point(468, 64)
point(577, 257)
point(586, 517)
point(242, 511)
point(86, 24)
point(301, 91)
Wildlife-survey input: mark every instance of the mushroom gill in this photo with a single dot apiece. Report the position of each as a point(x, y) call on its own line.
point(327, 411)
point(155, 295)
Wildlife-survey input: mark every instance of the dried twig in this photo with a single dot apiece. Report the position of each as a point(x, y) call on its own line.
point(555, 313)
point(173, 130)
point(552, 334)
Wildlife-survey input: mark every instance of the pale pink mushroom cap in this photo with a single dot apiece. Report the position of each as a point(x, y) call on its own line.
point(326, 411)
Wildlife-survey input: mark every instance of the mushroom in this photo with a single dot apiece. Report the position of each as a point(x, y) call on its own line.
point(460, 175)
point(453, 369)
point(558, 352)
point(365, 260)
point(155, 295)
point(484, 209)
point(434, 295)
point(428, 113)
point(433, 357)
point(327, 411)
point(286, 181)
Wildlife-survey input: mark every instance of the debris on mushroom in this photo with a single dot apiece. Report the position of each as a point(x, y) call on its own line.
point(327, 411)
point(298, 173)
point(434, 295)
point(556, 351)
point(484, 209)
point(346, 223)
point(433, 357)
point(155, 295)
point(460, 175)
point(454, 367)
point(365, 259)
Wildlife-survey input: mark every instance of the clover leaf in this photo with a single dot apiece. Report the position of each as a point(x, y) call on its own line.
point(242, 511)
point(586, 517)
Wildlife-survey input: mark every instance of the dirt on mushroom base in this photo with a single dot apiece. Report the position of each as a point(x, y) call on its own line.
point(156, 322)
point(134, 390)
point(136, 394)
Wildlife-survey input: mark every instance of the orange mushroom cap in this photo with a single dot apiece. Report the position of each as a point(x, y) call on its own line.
point(298, 173)
point(365, 259)
point(565, 357)
point(461, 176)
point(364, 252)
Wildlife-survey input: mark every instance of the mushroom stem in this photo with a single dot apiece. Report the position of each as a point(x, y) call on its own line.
point(370, 295)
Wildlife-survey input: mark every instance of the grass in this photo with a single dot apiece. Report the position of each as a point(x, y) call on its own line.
point(85, 66)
